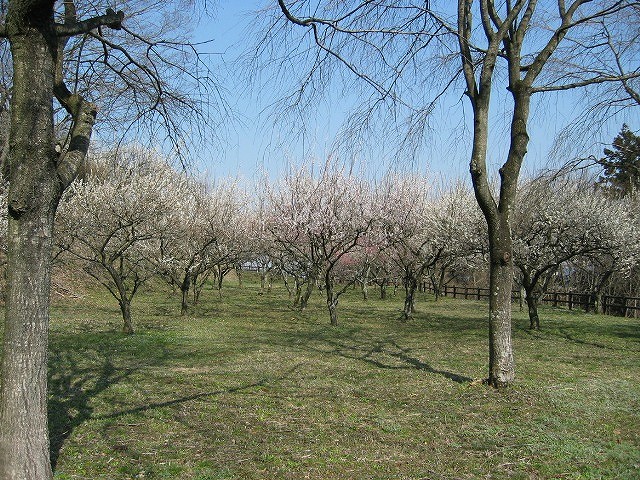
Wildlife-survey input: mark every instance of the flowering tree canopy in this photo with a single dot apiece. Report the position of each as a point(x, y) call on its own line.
point(112, 220)
point(318, 220)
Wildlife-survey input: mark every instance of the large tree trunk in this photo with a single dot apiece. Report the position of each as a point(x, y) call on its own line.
point(33, 196)
point(501, 361)
point(365, 283)
point(197, 288)
point(599, 292)
point(239, 274)
point(529, 286)
point(332, 299)
point(304, 299)
point(222, 272)
point(332, 305)
point(24, 439)
point(532, 306)
point(437, 283)
point(123, 297)
point(383, 289)
point(298, 291)
point(285, 282)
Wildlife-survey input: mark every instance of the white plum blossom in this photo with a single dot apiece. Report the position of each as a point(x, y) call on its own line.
point(568, 220)
point(112, 219)
point(318, 220)
point(205, 235)
point(427, 230)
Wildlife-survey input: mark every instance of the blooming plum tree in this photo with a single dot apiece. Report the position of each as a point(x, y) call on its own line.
point(427, 230)
point(262, 253)
point(204, 231)
point(318, 220)
point(408, 223)
point(113, 222)
point(459, 229)
point(557, 222)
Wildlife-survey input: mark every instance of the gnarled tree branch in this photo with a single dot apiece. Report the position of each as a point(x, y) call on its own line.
point(70, 27)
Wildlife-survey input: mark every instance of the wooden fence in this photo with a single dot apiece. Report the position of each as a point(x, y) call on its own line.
point(620, 306)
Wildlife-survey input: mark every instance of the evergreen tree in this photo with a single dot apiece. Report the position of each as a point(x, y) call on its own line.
point(621, 164)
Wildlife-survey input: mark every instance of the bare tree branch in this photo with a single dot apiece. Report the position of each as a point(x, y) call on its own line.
point(623, 78)
point(111, 19)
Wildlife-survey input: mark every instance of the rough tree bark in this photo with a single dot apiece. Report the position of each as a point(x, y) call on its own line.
point(365, 283)
point(33, 195)
point(534, 290)
point(532, 307)
point(383, 289)
point(311, 282)
point(125, 309)
point(332, 298)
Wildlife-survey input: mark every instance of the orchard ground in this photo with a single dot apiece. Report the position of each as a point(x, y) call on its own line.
point(246, 388)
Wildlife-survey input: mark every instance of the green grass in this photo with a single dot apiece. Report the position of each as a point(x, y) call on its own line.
point(246, 388)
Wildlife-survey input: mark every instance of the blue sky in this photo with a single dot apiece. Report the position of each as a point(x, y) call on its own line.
point(255, 143)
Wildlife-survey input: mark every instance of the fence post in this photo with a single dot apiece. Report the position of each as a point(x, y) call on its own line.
point(478, 293)
point(555, 299)
point(570, 301)
point(580, 301)
point(454, 291)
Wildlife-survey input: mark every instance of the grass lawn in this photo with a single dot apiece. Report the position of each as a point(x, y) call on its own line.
point(246, 388)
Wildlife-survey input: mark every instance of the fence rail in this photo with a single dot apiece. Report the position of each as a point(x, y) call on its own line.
point(616, 305)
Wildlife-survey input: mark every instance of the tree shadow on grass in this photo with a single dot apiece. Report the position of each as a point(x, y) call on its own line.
point(196, 396)
point(379, 354)
point(384, 354)
point(566, 334)
point(403, 354)
point(591, 335)
point(71, 389)
point(82, 366)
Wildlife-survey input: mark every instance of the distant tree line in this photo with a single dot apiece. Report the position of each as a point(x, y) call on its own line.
point(130, 217)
